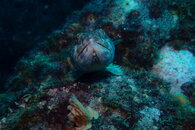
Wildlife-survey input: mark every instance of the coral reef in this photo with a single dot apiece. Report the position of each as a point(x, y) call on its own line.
point(150, 115)
point(45, 94)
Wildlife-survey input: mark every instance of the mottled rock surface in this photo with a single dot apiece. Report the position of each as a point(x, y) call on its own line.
point(44, 82)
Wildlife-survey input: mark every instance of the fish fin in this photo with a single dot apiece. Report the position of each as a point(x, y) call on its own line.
point(115, 69)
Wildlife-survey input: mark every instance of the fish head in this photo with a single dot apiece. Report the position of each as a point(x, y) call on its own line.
point(94, 51)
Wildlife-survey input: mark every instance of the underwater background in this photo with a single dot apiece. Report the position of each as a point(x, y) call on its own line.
point(97, 64)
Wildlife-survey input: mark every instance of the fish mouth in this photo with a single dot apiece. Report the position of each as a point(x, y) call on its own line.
point(95, 58)
point(83, 49)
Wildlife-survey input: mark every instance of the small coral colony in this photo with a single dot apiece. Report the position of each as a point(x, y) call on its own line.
point(115, 65)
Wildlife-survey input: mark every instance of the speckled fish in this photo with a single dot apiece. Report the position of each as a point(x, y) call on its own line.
point(94, 51)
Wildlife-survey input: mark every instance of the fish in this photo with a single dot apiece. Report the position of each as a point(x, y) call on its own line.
point(94, 51)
